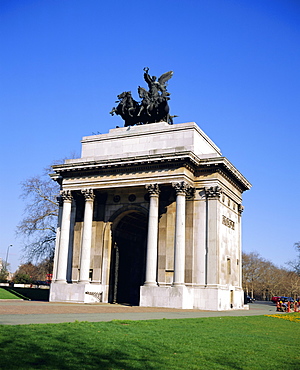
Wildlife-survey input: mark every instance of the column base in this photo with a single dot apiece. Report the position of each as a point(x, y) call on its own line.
point(83, 282)
point(150, 283)
point(60, 282)
point(178, 284)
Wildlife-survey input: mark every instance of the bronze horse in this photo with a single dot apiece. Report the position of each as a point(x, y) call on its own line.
point(127, 108)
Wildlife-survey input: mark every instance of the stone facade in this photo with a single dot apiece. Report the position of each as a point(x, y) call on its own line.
point(150, 215)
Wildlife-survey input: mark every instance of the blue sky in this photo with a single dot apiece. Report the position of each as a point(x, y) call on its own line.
point(236, 74)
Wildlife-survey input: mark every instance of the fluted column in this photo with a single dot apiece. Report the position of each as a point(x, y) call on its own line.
point(62, 261)
point(151, 262)
point(179, 249)
point(86, 242)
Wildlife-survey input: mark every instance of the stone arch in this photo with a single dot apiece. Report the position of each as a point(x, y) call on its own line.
point(119, 214)
point(128, 262)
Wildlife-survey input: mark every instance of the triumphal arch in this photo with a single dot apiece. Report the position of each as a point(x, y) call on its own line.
point(150, 215)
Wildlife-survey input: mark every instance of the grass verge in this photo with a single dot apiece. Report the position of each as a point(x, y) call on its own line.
point(5, 294)
point(253, 342)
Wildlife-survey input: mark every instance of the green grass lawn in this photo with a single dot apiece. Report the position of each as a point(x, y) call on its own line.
point(4, 294)
point(257, 342)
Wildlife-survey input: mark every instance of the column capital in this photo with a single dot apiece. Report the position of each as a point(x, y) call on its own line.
point(66, 195)
point(190, 192)
point(88, 194)
point(182, 188)
point(213, 192)
point(153, 189)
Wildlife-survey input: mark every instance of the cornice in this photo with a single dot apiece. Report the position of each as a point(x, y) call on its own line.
point(128, 161)
point(150, 162)
point(223, 165)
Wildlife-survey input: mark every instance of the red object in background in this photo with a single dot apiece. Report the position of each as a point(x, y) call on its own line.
point(275, 299)
point(49, 278)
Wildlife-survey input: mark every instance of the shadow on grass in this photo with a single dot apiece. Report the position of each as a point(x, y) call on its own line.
point(34, 294)
point(65, 352)
point(212, 343)
point(35, 357)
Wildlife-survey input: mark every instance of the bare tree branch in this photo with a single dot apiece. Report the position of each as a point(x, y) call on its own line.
point(261, 278)
point(38, 226)
point(295, 265)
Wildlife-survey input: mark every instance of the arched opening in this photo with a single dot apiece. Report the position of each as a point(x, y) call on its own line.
point(128, 257)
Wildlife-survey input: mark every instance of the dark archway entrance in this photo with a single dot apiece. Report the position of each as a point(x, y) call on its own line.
point(129, 258)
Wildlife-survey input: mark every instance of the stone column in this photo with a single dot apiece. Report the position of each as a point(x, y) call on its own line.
point(240, 211)
point(179, 248)
point(151, 262)
point(57, 240)
point(71, 244)
point(86, 242)
point(200, 238)
point(212, 271)
point(62, 260)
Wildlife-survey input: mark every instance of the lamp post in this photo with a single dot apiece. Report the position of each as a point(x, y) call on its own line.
point(7, 256)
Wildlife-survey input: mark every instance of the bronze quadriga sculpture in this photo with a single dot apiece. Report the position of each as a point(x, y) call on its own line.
point(154, 105)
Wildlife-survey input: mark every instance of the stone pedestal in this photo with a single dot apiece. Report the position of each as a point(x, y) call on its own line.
point(76, 293)
point(172, 297)
point(214, 298)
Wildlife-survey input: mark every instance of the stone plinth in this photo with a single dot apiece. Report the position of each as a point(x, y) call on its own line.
point(175, 297)
point(154, 139)
point(76, 293)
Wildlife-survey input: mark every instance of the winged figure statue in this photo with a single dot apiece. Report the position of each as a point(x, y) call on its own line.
point(159, 86)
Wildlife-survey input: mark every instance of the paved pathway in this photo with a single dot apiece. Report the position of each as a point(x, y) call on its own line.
point(15, 312)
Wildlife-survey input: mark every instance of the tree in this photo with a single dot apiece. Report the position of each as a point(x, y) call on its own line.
point(26, 272)
point(3, 275)
point(21, 278)
point(44, 269)
point(262, 279)
point(269, 279)
point(38, 227)
point(295, 265)
point(252, 271)
point(29, 272)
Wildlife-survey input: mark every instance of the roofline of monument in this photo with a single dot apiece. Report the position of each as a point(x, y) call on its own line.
point(79, 164)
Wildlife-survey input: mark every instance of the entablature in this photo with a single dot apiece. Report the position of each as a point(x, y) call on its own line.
point(150, 163)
